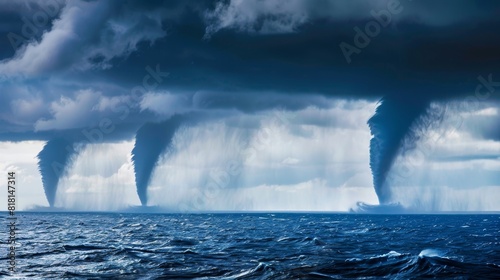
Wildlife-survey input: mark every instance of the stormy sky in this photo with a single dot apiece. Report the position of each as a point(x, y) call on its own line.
point(252, 104)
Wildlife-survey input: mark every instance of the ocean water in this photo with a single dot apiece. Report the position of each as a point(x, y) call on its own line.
point(255, 246)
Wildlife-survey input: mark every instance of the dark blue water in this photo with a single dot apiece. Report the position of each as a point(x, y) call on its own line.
point(256, 246)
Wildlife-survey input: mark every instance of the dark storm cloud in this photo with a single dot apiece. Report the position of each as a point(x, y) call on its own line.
point(411, 56)
point(258, 53)
point(251, 101)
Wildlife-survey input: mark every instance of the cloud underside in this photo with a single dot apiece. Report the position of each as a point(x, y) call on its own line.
point(90, 60)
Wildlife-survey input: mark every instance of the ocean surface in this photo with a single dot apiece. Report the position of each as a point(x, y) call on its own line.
point(254, 246)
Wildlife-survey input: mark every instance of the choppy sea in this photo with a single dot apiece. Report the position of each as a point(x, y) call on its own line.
point(254, 246)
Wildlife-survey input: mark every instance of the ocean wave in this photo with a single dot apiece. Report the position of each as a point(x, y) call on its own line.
point(281, 246)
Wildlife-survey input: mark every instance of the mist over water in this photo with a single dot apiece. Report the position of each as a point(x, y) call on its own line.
point(391, 126)
point(446, 198)
point(100, 179)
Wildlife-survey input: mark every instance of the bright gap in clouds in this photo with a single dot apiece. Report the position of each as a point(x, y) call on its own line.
point(20, 157)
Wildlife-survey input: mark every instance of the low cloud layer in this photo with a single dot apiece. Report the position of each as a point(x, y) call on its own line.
point(86, 35)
